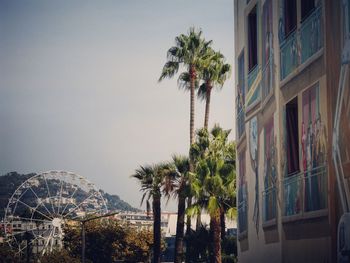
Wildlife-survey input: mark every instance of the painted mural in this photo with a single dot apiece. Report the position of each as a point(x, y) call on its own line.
point(313, 142)
point(253, 149)
point(270, 172)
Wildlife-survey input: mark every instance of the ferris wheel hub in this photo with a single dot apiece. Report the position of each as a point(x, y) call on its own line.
point(56, 222)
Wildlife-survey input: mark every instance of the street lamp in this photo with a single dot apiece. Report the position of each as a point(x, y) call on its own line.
point(83, 221)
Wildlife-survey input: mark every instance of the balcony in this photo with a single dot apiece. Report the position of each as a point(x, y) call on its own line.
point(253, 73)
point(305, 192)
point(289, 55)
point(267, 80)
point(240, 123)
point(311, 35)
point(269, 204)
point(302, 44)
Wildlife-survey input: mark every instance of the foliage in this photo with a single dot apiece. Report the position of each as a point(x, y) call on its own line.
point(7, 254)
point(59, 256)
point(108, 241)
point(200, 245)
point(189, 51)
point(213, 183)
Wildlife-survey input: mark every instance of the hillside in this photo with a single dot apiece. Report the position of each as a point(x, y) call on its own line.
point(9, 183)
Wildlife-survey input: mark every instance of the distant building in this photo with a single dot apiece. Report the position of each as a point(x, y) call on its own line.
point(290, 57)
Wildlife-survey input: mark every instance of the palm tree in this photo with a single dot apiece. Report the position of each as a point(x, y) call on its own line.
point(181, 164)
point(155, 180)
point(214, 183)
point(214, 73)
point(189, 52)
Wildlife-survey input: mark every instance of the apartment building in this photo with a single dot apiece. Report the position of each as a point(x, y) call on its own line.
point(293, 128)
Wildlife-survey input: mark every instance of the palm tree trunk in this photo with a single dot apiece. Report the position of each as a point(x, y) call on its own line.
point(188, 220)
point(180, 229)
point(217, 237)
point(223, 223)
point(156, 229)
point(192, 105)
point(207, 105)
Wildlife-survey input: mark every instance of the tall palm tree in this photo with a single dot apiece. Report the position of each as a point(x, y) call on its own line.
point(181, 165)
point(189, 51)
point(214, 183)
point(155, 180)
point(214, 73)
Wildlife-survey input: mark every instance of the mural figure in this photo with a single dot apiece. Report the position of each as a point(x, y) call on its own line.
point(253, 145)
point(313, 150)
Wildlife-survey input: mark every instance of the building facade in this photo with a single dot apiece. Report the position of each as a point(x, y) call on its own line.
point(290, 56)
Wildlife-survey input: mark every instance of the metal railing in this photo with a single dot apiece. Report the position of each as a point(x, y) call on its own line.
point(269, 203)
point(242, 216)
point(289, 55)
point(240, 122)
point(302, 44)
point(267, 80)
point(305, 191)
point(253, 73)
point(311, 35)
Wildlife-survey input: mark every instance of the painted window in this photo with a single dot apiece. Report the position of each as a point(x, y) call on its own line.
point(292, 146)
point(252, 39)
point(307, 6)
point(290, 16)
point(267, 31)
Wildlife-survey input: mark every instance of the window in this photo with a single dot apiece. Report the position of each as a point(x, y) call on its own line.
point(307, 6)
point(292, 146)
point(290, 16)
point(266, 31)
point(252, 39)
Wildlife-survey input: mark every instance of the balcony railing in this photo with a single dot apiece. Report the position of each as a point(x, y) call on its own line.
point(242, 216)
point(311, 35)
point(269, 203)
point(253, 73)
point(267, 80)
point(302, 43)
point(305, 192)
point(289, 55)
point(240, 122)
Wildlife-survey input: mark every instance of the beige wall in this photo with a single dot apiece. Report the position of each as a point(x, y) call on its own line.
point(276, 243)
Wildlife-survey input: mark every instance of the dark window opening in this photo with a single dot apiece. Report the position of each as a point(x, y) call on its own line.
point(252, 39)
point(307, 6)
point(290, 16)
point(292, 146)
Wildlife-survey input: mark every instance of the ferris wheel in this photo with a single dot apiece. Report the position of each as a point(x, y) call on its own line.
point(40, 206)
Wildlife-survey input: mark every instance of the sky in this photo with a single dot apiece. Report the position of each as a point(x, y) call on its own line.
point(79, 86)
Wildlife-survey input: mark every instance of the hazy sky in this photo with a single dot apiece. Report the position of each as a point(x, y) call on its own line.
point(79, 90)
